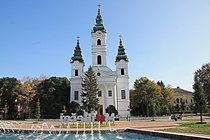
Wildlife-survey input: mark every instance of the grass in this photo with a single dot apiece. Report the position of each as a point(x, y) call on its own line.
point(191, 127)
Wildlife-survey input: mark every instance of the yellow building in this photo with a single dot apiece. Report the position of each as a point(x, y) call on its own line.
point(183, 99)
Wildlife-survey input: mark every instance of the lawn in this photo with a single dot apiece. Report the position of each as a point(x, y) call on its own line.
point(191, 127)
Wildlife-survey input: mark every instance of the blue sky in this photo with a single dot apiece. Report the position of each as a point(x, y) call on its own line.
point(164, 39)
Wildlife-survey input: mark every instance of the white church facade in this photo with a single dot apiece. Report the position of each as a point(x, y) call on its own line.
point(113, 85)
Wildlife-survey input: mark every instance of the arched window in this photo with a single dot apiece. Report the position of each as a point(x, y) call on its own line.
point(99, 42)
point(177, 100)
point(99, 60)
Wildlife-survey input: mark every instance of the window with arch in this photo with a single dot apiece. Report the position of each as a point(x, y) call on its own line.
point(99, 42)
point(177, 100)
point(99, 60)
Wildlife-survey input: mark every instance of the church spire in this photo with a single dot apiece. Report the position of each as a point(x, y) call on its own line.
point(77, 56)
point(99, 22)
point(121, 52)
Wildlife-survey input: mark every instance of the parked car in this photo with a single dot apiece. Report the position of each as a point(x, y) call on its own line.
point(176, 117)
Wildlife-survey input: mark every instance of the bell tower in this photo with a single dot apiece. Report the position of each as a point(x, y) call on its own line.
point(122, 80)
point(99, 37)
point(77, 65)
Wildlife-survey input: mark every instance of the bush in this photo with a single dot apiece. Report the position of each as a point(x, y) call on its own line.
point(111, 109)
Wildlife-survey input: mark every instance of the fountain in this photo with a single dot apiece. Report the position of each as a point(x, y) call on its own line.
point(91, 129)
point(52, 129)
point(77, 131)
point(68, 127)
point(45, 126)
point(99, 129)
point(84, 135)
point(110, 129)
point(60, 128)
point(43, 131)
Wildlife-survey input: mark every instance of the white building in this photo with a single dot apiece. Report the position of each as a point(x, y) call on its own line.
point(113, 85)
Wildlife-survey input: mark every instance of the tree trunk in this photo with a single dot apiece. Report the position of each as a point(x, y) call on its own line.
point(147, 110)
point(201, 117)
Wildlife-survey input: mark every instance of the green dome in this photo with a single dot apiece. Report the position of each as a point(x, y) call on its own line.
point(77, 56)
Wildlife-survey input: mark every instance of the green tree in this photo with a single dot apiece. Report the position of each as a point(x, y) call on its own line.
point(148, 94)
point(161, 84)
point(167, 101)
point(153, 99)
point(9, 88)
point(74, 107)
point(200, 100)
point(203, 75)
point(38, 115)
point(111, 109)
point(53, 94)
point(89, 91)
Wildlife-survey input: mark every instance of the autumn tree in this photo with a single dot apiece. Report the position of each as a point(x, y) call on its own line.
point(26, 97)
point(167, 101)
point(148, 94)
point(150, 99)
point(89, 91)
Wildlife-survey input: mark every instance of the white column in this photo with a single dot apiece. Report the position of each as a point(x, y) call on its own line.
point(114, 95)
point(105, 97)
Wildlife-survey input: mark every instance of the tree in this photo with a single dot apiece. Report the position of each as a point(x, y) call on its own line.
point(53, 94)
point(148, 94)
point(161, 84)
point(153, 99)
point(74, 107)
point(200, 100)
point(38, 115)
point(89, 91)
point(167, 101)
point(203, 76)
point(183, 106)
point(25, 98)
point(111, 109)
point(9, 88)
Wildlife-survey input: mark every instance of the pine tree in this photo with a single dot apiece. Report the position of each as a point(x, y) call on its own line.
point(199, 98)
point(89, 91)
point(38, 110)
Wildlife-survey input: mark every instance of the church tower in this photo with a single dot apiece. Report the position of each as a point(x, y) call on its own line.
point(122, 80)
point(77, 65)
point(99, 42)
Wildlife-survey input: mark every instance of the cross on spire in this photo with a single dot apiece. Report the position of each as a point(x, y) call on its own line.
point(120, 36)
point(99, 4)
point(99, 22)
point(78, 39)
point(99, 8)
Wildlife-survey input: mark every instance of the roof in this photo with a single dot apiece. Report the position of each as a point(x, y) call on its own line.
point(181, 91)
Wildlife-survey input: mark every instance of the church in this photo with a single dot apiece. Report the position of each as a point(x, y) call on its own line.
point(113, 85)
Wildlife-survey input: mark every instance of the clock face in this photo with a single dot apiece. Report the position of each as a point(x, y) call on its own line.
point(98, 33)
